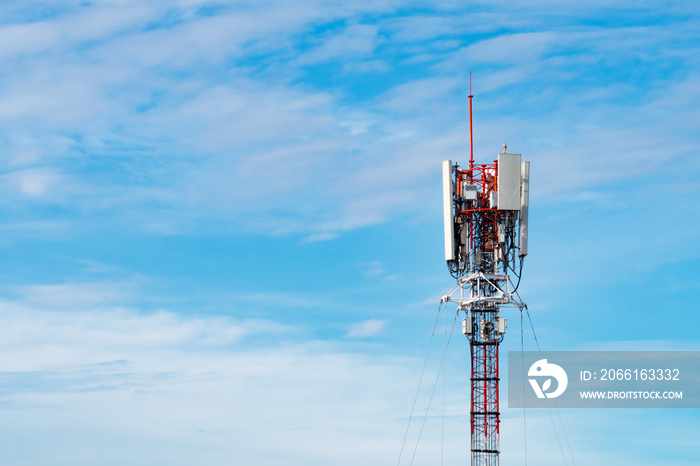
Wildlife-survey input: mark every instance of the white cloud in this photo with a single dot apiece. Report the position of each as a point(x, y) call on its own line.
point(370, 66)
point(37, 183)
point(46, 337)
point(76, 296)
point(368, 328)
point(510, 49)
point(184, 383)
point(373, 269)
point(354, 41)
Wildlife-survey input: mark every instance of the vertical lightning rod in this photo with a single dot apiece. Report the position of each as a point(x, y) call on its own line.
point(471, 132)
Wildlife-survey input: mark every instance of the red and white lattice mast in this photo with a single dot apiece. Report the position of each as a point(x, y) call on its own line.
point(486, 212)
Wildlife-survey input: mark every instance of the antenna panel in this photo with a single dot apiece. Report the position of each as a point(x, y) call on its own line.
point(447, 200)
point(508, 182)
point(524, 207)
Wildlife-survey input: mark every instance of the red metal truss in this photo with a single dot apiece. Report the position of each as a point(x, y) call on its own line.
point(485, 410)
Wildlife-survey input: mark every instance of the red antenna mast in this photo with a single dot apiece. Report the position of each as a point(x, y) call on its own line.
point(471, 134)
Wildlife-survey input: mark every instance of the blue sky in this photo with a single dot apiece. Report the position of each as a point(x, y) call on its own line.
point(221, 233)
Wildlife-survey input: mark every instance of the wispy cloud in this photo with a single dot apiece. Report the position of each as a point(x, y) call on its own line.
point(125, 374)
point(366, 329)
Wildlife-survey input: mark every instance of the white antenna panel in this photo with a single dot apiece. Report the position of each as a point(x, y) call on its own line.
point(447, 200)
point(508, 182)
point(524, 206)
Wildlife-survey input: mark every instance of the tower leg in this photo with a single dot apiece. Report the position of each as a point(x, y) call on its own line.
point(485, 417)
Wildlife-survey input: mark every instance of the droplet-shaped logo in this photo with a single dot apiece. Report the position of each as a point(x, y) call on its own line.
point(542, 369)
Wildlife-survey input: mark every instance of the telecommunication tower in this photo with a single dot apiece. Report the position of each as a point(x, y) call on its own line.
point(486, 220)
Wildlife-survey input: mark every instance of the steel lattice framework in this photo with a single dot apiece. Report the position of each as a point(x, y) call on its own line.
point(484, 383)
